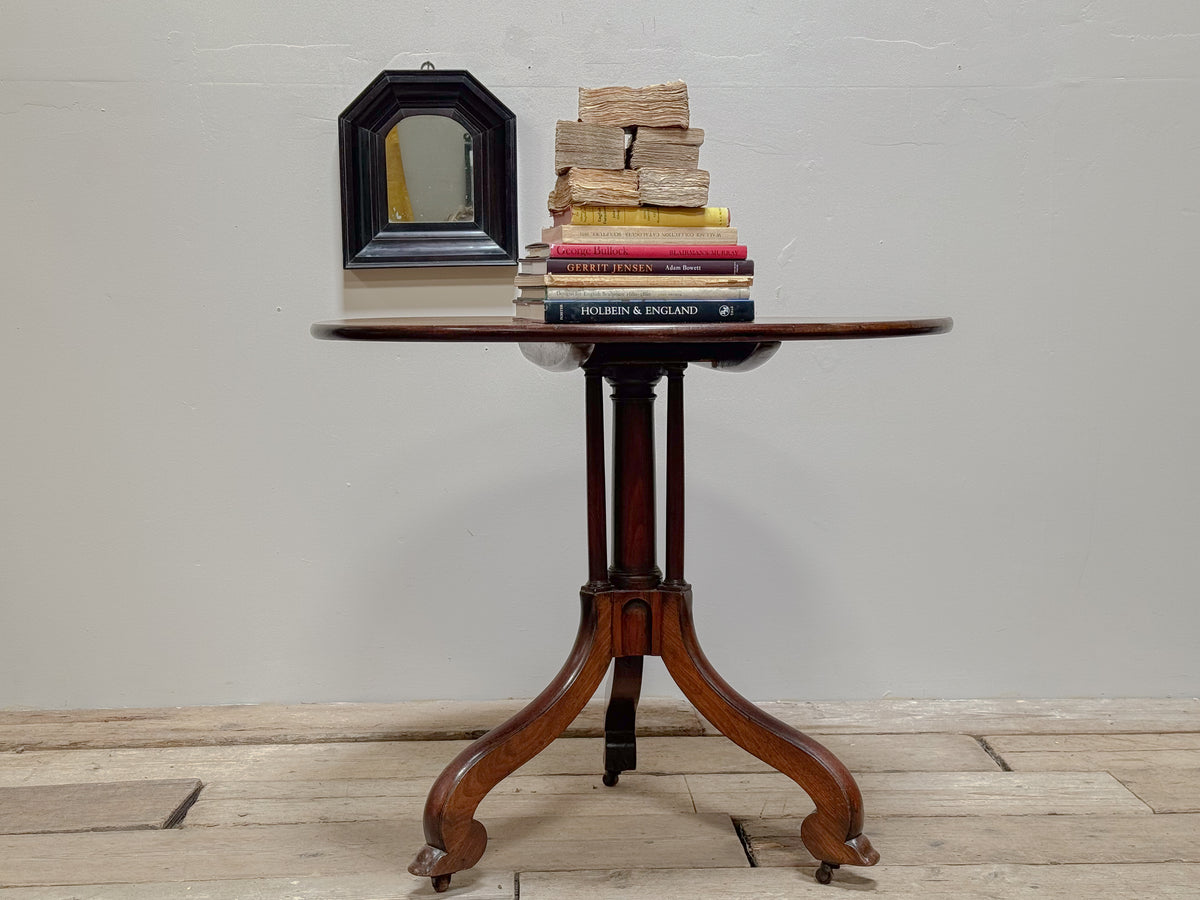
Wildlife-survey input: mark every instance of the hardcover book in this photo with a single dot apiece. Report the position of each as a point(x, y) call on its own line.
point(585, 279)
point(533, 265)
point(566, 312)
point(658, 105)
point(600, 187)
point(572, 265)
point(633, 292)
point(664, 156)
point(638, 234)
point(649, 251)
point(588, 146)
point(692, 137)
point(672, 187)
point(704, 216)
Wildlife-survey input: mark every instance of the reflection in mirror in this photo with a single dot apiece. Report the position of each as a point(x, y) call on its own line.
point(429, 175)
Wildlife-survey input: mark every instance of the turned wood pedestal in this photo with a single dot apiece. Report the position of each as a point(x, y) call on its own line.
point(630, 608)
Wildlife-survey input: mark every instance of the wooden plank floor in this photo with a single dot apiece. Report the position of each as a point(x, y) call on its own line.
point(995, 799)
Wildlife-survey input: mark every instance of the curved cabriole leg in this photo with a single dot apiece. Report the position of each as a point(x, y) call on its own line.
point(454, 839)
point(620, 737)
point(833, 833)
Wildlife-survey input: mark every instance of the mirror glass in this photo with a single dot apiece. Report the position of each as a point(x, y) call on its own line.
point(428, 160)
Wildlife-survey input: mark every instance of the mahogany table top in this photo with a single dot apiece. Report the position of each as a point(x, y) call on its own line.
point(513, 330)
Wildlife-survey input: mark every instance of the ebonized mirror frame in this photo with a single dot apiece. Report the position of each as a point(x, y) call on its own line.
point(369, 239)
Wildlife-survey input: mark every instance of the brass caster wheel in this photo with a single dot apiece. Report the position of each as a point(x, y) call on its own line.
point(441, 883)
point(824, 873)
point(610, 777)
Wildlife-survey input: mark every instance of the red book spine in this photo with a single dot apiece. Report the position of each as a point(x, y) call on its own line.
point(575, 265)
point(651, 251)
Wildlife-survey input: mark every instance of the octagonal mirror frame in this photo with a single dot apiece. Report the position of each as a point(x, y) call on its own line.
point(369, 238)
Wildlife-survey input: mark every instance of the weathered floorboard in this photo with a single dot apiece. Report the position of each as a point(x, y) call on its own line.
point(550, 796)
point(303, 723)
point(859, 752)
point(1112, 882)
point(1166, 790)
point(426, 759)
point(991, 717)
point(455, 720)
point(1162, 769)
point(1088, 743)
point(1101, 760)
point(393, 884)
point(213, 764)
point(928, 794)
point(207, 854)
point(109, 806)
point(979, 840)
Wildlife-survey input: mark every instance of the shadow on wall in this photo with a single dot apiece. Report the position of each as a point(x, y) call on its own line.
point(451, 290)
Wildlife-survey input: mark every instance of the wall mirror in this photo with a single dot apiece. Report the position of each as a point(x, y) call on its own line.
point(429, 173)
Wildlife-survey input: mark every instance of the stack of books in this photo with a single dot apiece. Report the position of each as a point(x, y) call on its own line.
point(632, 239)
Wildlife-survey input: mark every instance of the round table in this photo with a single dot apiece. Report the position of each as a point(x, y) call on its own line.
point(630, 608)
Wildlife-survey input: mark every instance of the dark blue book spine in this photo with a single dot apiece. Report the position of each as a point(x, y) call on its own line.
point(653, 312)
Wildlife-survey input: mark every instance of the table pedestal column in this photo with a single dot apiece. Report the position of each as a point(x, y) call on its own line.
point(629, 610)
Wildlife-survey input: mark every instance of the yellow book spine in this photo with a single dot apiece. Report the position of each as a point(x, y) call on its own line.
point(677, 216)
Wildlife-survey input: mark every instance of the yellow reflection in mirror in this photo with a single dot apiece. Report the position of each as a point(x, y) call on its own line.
point(399, 205)
point(428, 160)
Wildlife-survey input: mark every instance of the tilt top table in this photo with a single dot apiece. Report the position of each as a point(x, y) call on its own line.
point(631, 609)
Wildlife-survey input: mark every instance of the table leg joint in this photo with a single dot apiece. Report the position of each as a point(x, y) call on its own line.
point(637, 616)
